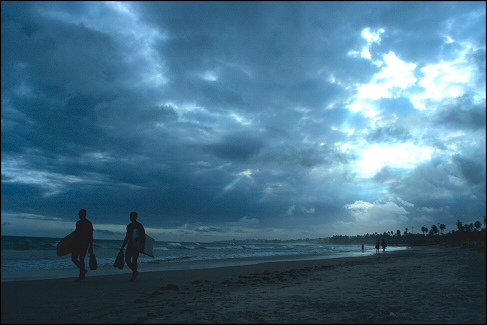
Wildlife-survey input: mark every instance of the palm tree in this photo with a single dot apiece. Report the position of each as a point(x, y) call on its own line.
point(477, 225)
point(442, 227)
point(434, 229)
point(459, 225)
point(406, 231)
point(424, 229)
point(466, 227)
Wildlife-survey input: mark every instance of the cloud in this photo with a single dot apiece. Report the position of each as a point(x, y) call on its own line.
point(471, 170)
point(245, 221)
point(236, 147)
point(231, 120)
point(385, 215)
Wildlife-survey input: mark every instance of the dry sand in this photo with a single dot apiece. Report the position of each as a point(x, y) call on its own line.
point(433, 284)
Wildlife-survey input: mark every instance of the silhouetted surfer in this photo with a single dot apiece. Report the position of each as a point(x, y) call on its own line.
point(135, 238)
point(83, 242)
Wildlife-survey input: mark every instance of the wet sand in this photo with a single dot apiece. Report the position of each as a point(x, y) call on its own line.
point(430, 284)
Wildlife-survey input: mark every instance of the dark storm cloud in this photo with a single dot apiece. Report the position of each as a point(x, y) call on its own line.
point(301, 156)
point(463, 113)
point(385, 175)
point(472, 171)
point(431, 185)
point(236, 147)
point(273, 47)
point(60, 59)
point(204, 116)
point(406, 21)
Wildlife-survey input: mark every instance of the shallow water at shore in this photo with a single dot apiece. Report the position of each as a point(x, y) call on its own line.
point(30, 258)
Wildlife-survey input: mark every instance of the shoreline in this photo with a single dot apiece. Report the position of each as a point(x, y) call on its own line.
point(430, 284)
point(108, 269)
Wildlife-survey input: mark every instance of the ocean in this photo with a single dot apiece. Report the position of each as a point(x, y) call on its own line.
point(34, 258)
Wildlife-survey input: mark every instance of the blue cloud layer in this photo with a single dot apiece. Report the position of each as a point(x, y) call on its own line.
point(221, 120)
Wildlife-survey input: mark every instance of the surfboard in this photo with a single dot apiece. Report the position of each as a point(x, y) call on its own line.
point(65, 246)
point(149, 246)
point(149, 243)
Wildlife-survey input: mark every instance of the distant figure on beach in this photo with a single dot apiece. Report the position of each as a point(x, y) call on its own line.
point(377, 245)
point(83, 242)
point(384, 245)
point(135, 232)
point(362, 248)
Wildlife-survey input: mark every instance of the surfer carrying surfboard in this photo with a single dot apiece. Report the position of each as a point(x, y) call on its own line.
point(83, 241)
point(135, 241)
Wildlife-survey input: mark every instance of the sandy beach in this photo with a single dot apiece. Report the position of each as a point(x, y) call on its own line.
point(429, 284)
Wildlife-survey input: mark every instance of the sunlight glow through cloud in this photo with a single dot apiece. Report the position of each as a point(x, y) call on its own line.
point(245, 174)
point(371, 37)
point(402, 155)
point(446, 79)
point(395, 76)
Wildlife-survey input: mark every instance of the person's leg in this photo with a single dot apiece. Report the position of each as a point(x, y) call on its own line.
point(80, 252)
point(74, 258)
point(128, 258)
point(135, 257)
point(82, 270)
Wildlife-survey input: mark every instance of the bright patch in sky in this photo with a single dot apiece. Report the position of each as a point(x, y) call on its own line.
point(371, 37)
point(210, 76)
point(446, 79)
point(245, 174)
point(403, 155)
point(394, 77)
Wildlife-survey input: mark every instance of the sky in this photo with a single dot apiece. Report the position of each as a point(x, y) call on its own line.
point(242, 120)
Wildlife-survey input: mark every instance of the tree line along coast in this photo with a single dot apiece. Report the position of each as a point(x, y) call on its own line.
point(471, 235)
